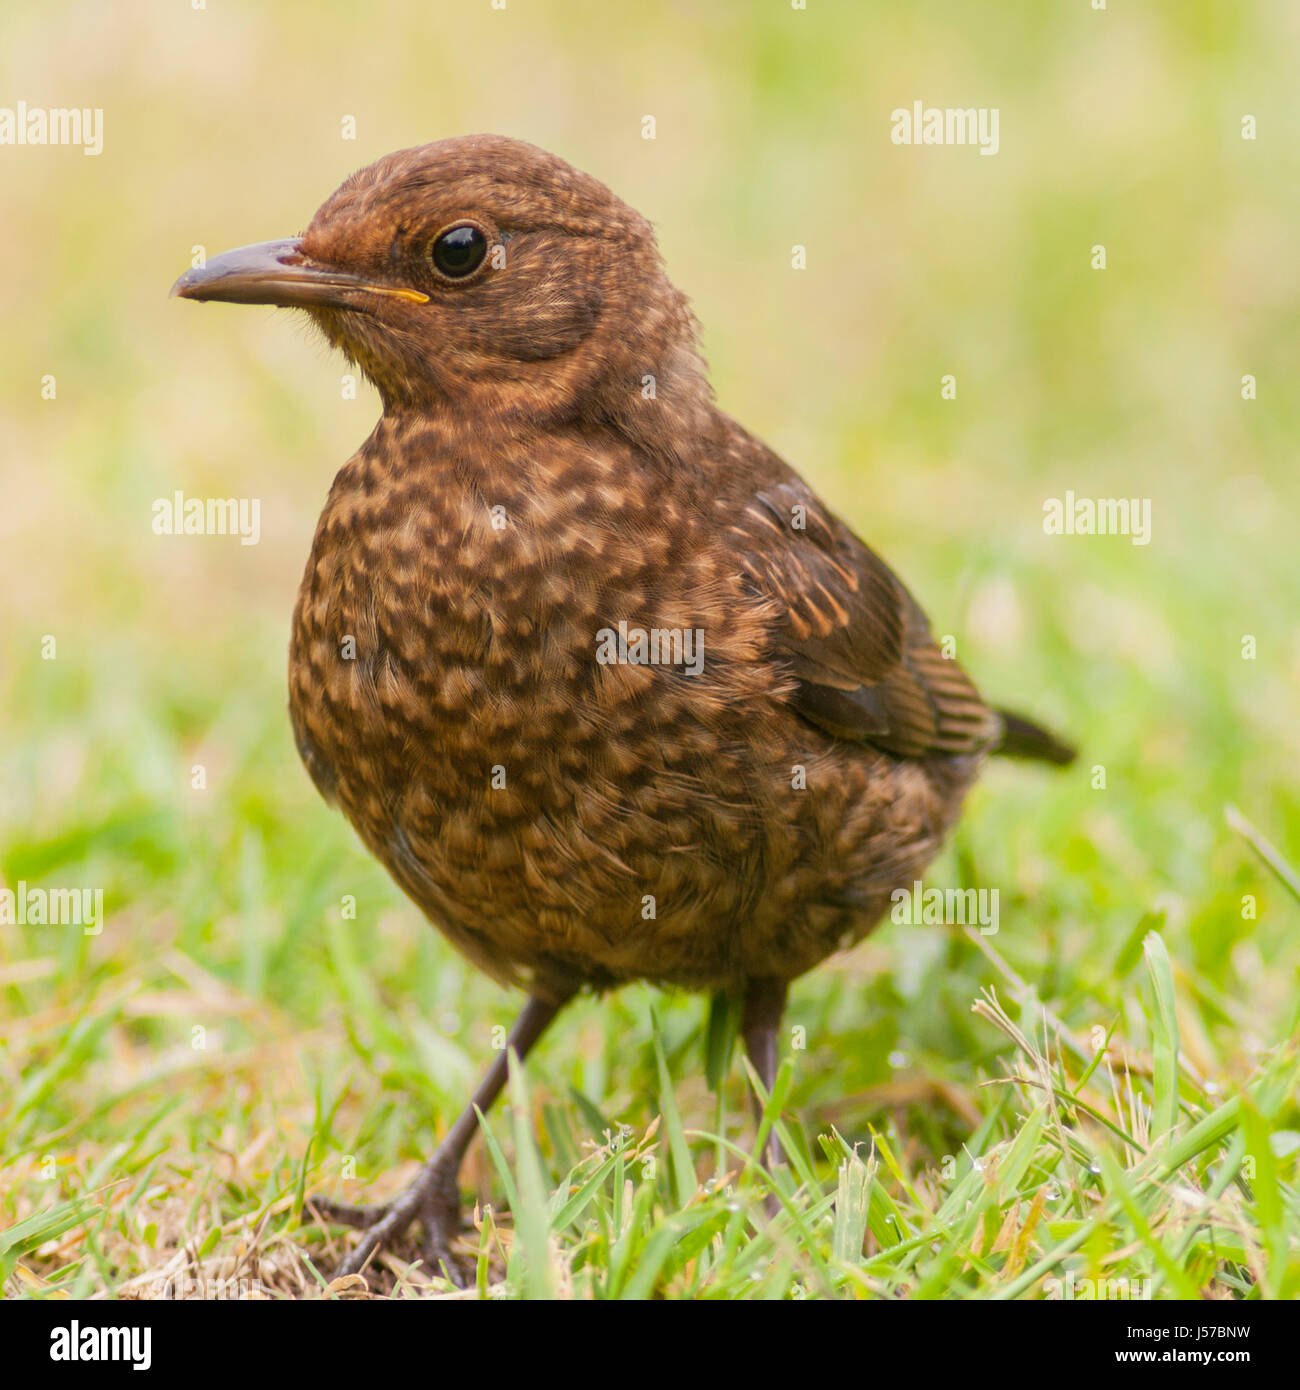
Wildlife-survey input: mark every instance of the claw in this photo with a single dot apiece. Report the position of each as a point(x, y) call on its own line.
point(430, 1198)
point(434, 1197)
point(345, 1214)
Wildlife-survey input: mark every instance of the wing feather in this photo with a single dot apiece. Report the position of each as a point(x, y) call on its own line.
point(866, 664)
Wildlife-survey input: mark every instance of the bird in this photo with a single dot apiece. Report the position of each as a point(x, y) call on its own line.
point(599, 679)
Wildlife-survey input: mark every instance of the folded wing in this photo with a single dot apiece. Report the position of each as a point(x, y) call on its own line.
point(866, 664)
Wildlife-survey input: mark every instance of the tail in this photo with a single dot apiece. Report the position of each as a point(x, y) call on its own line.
point(1023, 739)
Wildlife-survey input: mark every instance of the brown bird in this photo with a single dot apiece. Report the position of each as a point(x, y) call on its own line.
point(609, 691)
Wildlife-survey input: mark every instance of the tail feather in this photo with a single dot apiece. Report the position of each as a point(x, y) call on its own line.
point(1022, 738)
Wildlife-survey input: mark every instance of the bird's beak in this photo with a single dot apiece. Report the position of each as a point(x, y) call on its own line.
point(277, 272)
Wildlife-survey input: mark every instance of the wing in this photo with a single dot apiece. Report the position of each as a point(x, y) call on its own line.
point(857, 642)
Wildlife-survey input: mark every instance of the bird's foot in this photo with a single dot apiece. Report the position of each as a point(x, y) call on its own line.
point(433, 1199)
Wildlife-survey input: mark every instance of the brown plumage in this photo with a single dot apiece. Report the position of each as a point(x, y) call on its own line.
point(550, 464)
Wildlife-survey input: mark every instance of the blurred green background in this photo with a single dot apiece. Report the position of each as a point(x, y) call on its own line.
point(223, 126)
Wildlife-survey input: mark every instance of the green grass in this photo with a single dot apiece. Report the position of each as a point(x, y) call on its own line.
point(1106, 1089)
point(1088, 1161)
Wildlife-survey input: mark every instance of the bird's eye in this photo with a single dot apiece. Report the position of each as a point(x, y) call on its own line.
point(459, 251)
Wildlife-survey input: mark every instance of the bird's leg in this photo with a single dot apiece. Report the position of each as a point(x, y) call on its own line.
point(434, 1195)
point(760, 1021)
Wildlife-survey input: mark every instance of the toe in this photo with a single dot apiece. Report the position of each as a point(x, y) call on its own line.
point(345, 1214)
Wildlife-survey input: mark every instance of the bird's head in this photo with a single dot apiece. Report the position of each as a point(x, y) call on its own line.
point(479, 273)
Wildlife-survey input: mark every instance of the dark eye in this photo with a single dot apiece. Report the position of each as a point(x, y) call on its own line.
point(459, 251)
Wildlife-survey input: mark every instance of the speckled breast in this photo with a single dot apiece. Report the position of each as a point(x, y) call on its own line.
point(558, 814)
